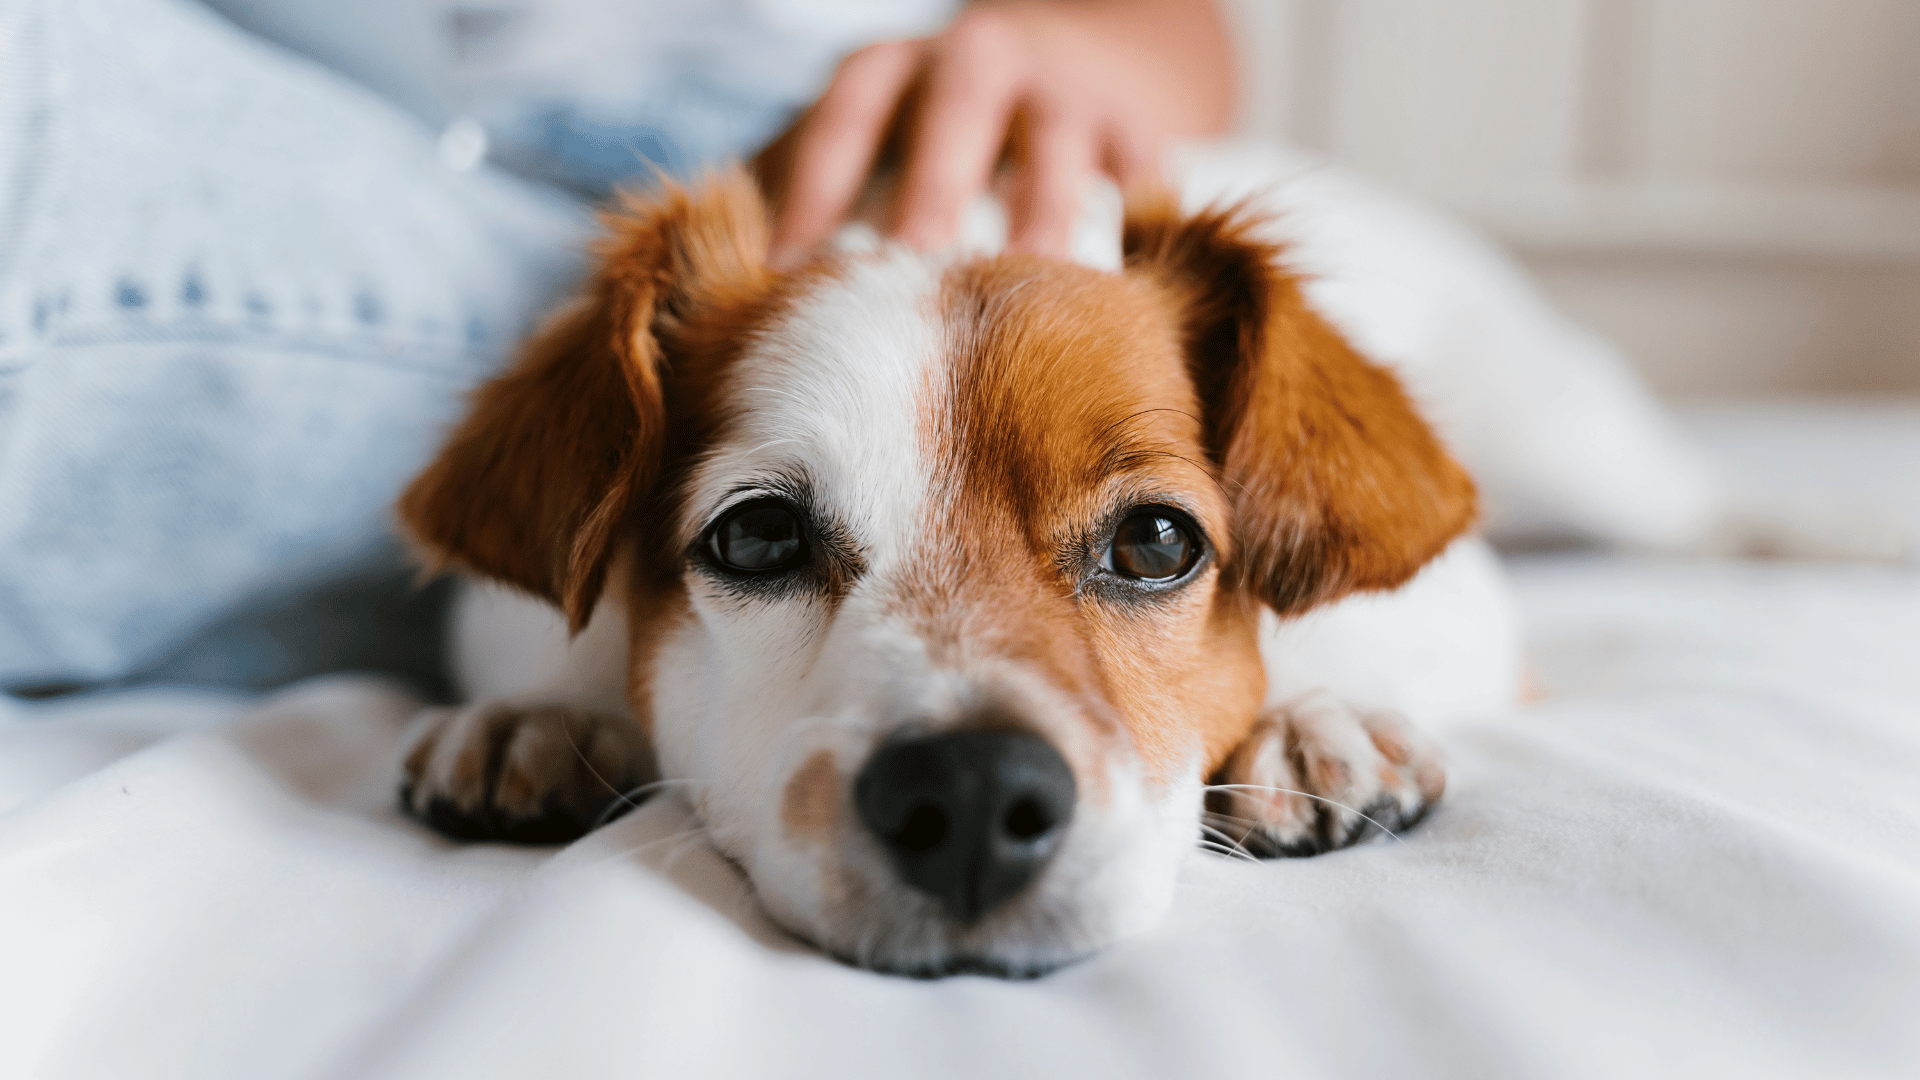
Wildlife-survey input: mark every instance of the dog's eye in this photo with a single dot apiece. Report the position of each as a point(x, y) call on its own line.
point(1151, 545)
point(759, 537)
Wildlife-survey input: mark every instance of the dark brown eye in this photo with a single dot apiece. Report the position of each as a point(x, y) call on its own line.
point(759, 537)
point(1152, 546)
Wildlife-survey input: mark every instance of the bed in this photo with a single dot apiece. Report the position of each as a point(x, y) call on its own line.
point(1698, 856)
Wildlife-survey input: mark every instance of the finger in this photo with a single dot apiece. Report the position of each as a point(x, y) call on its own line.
point(1061, 154)
point(1132, 158)
point(837, 144)
point(970, 95)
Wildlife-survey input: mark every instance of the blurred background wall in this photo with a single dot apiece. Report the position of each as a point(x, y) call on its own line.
point(1728, 188)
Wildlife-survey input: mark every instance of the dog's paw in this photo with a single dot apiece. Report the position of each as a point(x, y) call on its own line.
point(1316, 775)
point(524, 773)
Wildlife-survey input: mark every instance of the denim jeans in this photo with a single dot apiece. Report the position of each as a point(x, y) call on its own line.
point(240, 300)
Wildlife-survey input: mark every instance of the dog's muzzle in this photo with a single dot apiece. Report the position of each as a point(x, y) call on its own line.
point(969, 818)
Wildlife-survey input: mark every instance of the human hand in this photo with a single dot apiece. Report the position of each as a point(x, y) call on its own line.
point(1074, 88)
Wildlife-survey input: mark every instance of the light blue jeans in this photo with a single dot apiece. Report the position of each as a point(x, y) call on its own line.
point(240, 300)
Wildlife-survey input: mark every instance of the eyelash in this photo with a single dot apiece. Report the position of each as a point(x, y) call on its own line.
point(1134, 588)
point(828, 561)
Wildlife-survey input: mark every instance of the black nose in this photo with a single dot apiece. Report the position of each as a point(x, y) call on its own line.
point(970, 817)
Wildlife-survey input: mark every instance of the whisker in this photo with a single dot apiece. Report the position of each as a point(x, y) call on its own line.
point(686, 834)
point(1233, 846)
point(1250, 823)
point(1225, 852)
point(696, 831)
point(1322, 798)
point(567, 730)
point(628, 796)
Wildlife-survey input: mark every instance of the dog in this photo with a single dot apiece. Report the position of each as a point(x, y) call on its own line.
point(961, 595)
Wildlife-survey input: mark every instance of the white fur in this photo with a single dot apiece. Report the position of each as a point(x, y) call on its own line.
point(833, 392)
point(508, 646)
point(1443, 647)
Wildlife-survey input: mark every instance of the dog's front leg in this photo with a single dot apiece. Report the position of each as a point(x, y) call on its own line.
point(545, 748)
point(1317, 774)
point(1336, 756)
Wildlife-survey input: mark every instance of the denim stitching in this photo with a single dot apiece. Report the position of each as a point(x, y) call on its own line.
point(450, 357)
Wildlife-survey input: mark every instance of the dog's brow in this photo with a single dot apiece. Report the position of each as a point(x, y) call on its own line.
point(787, 482)
point(1129, 444)
point(1131, 417)
point(1140, 457)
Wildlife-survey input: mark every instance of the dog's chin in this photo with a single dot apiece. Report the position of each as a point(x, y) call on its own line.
point(1011, 959)
point(897, 931)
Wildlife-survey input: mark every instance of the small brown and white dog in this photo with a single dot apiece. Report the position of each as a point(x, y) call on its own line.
point(957, 593)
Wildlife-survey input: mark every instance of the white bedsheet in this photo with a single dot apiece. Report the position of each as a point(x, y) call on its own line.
point(1699, 858)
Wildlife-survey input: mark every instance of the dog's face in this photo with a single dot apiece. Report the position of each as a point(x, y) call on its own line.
point(954, 499)
point(944, 574)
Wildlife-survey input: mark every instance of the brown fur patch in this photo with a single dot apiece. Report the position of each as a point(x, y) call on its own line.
point(1338, 483)
point(811, 805)
point(556, 454)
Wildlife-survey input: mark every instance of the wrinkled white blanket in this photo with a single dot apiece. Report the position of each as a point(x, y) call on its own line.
point(1700, 857)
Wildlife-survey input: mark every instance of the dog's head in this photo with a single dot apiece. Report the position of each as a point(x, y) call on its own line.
point(945, 573)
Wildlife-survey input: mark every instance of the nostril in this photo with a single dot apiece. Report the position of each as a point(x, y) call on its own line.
point(1026, 820)
point(924, 829)
point(970, 817)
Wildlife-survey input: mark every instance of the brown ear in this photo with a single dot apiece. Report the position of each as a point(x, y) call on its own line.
point(1337, 483)
point(533, 486)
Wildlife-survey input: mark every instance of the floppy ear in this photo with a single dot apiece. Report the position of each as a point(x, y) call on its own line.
point(1337, 483)
point(533, 486)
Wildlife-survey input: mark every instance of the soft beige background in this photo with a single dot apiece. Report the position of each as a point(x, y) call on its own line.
point(1728, 188)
